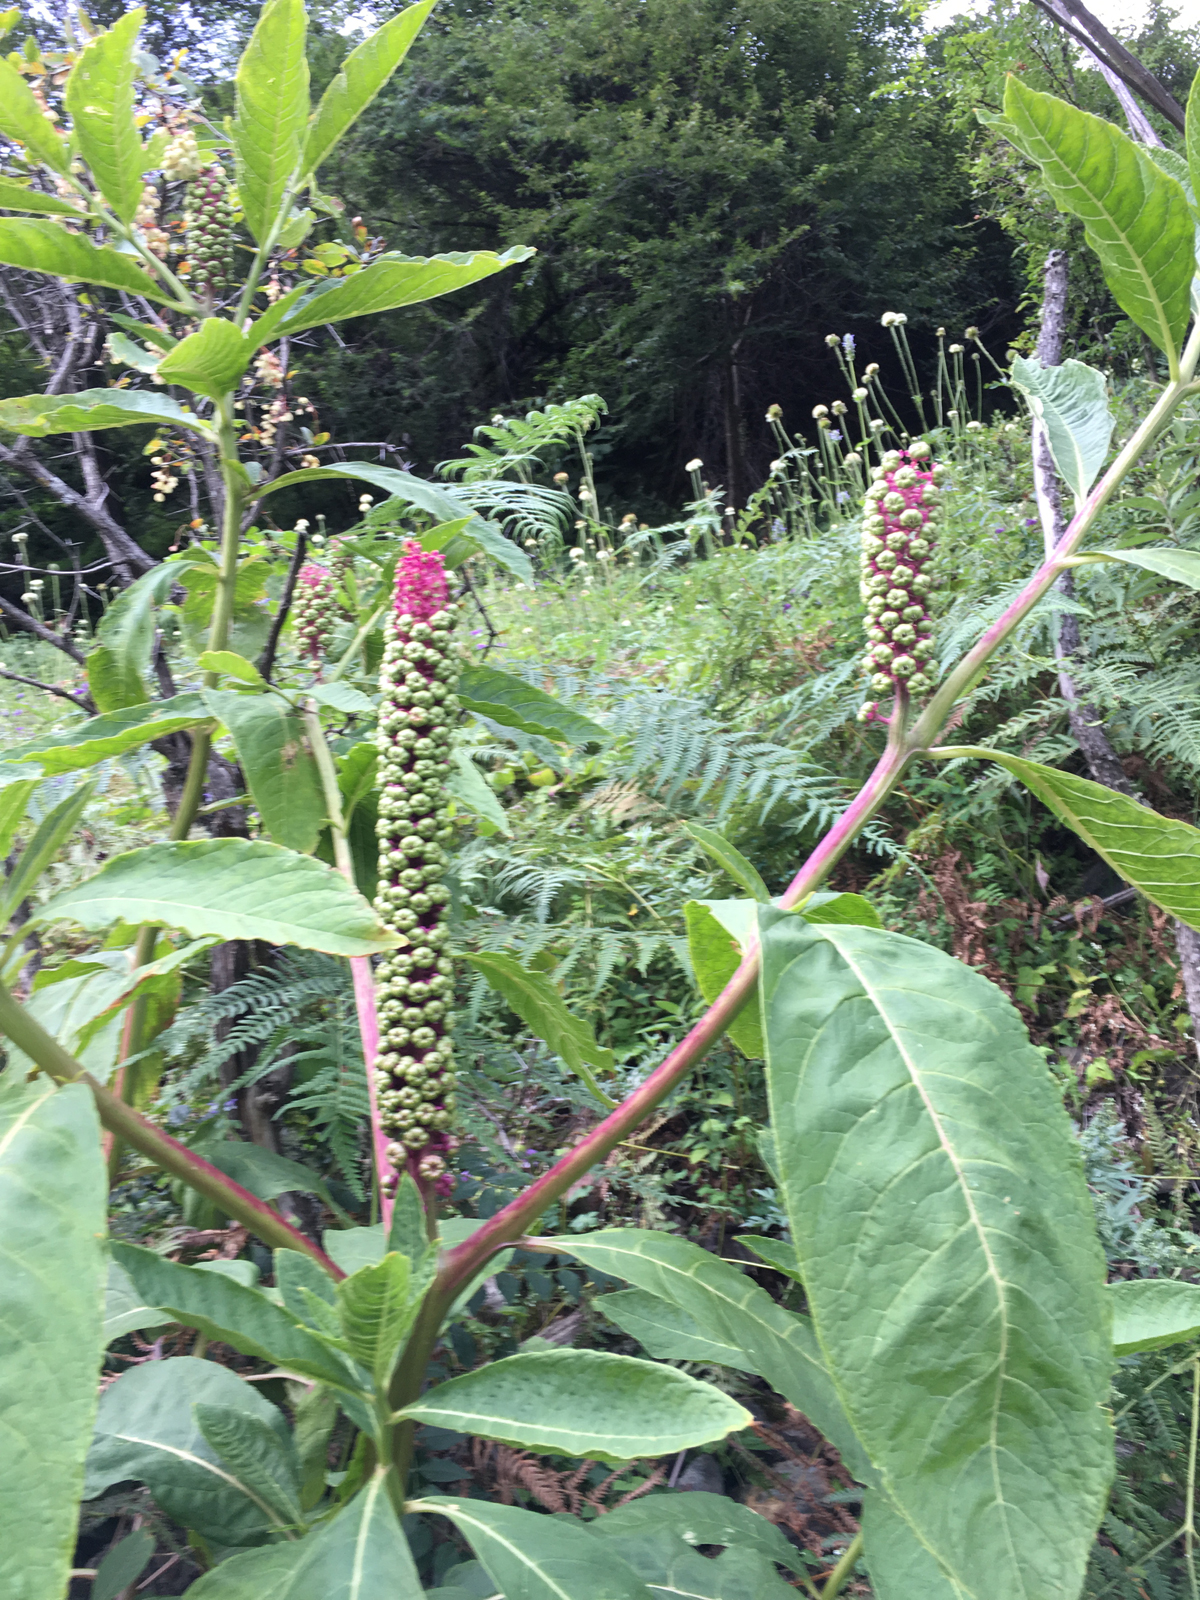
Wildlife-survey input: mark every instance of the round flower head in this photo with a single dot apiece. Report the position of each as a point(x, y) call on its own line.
point(414, 1074)
point(314, 609)
point(899, 530)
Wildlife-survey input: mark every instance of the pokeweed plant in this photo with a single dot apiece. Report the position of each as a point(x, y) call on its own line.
point(959, 1338)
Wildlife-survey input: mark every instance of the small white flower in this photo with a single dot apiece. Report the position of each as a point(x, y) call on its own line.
point(694, 464)
point(302, 525)
point(859, 394)
point(777, 466)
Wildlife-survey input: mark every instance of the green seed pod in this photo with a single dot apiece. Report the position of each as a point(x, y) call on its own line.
point(897, 543)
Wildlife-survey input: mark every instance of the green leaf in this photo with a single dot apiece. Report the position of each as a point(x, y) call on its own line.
point(14, 798)
point(99, 97)
point(111, 734)
point(473, 792)
point(899, 1565)
point(730, 1308)
point(55, 828)
point(377, 1306)
point(1192, 135)
point(395, 280)
point(664, 1331)
point(123, 1565)
point(255, 1453)
point(266, 1174)
point(22, 119)
point(513, 703)
point(534, 998)
point(1181, 566)
point(279, 767)
point(231, 665)
point(847, 908)
point(946, 1240)
point(669, 1567)
point(1150, 1313)
point(1136, 218)
point(125, 1310)
point(38, 246)
point(52, 1197)
point(158, 337)
point(307, 1292)
point(536, 1557)
point(715, 956)
point(235, 1314)
point(88, 411)
point(234, 888)
point(699, 1518)
point(341, 697)
point(17, 197)
point(1158, 855)
point(363, 74)
point(361, 1554)
point(272, 110)
point(582, 1403)
point(133, 355)
point(1072, 401)
point(125, 639)
point(210, 361)
point(410, 1230)
point(352, 1248)
point(429, 497)
point(732, 862)
point(146, 1430)
point(775, 1252)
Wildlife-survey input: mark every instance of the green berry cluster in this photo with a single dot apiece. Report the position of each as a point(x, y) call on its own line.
point(210, 230)
point(414, 1073)
point(314, 609)
point(899, 532)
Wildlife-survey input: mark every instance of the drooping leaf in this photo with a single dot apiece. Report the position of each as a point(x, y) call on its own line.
point(468, 786)
point(1150, 1313)
point(1135, 216)
point(664, 1331)
point(1072, 401)
point(537, 1557)
point(211, 360)
point(376, 1306)
point(341, 697)
point(52, 1269)
point(146, 1430)
point(279, 767)
point(947, 1245)
point(582, 1403)
point(363, 74)
point(159, 337)
point(272, 110)
point(361, 1554)
point(234, 888)
point(257, 1455)
point(432, 498)
point(42, 246)
point(230, 1311)
point(266, 1174)
point(101, 738)
point(125, 1311)
point(90, 410)
point(730, 1308)
point(534, 998)
point(129, 354)
point(715, 956)
point(231, 665)
point(23, 119)
point(123, 1565)
point(99, 97)
point(776, 1253)
point(19, 197)
point(14, 798)
point(700, 1518)
point(514, 703)
point(1181, 566)
point(732, 862)
point(395, 280)
point(55, 828)
point(125, 640)
point(1158, 855)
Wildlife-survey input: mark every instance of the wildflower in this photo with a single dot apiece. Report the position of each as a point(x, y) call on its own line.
point(893, 319)
point(897, 542)
point(694, 464)
point(860, 394)
point(832, 340)
point(820, 411)
point(774, 412)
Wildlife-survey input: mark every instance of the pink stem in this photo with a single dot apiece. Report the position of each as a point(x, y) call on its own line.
point(368, 1027)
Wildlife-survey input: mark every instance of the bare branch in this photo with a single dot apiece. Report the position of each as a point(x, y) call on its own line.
point(32, 625)
point(1112, 54)
point(83, 701)
point(266, 662)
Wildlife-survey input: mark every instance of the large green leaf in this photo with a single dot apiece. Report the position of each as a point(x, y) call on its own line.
point(730, 1308)
point(100, 738)
point(14, 798)
point(272, 110)
point(1181, 566)
point(211, 360)
point(125, 639)
point(537, 1557)
point(1072, 401)
point(1149, 1313)
point(1135, 216)
point(125, 1310)
point(361, 1554)
point(38, 246)
point(377, 1305)
point(19, 197)
point(715, 957)
point(1192, 135)
point(395, 280)
point(88, 411)
point(99, 97)
point(583, 1403)
point(234, 888)
point(664, 1331)
point(428, 497)
point(363, 74)
point(264, 1173)
point(699, 1518)
point(1158, 855)
point(23, 119)
point(900, 1566)
point(257, 1455)
point(146, 1430)
point(279, 767)
point(946, 1240)
point(670, 1567)
point(52, 1269)
point(534, 998)
point(514, 703)
point(233, 1313)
